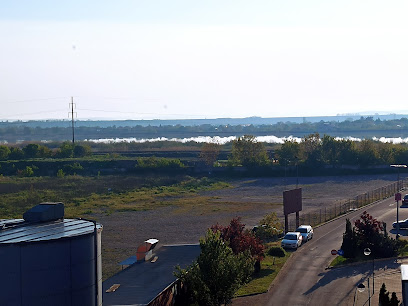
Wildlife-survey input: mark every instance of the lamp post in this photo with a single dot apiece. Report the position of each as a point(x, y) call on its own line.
point(368, 291)
point(398, 189)
point(367, 252)
point(360, 288)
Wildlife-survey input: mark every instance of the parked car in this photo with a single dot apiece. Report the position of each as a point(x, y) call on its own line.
point(405, 200)
point(292, 240)
point(402, 224)
point(306, 231)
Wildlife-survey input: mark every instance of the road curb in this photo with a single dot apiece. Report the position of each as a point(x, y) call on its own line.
point(349, 212)
point(364, 262)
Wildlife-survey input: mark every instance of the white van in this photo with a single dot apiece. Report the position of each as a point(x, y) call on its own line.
point(306, 231)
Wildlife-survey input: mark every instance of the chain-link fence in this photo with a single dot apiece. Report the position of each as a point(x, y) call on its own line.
point(338, 208)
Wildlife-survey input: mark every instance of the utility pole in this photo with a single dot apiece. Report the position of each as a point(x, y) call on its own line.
point(71, 114)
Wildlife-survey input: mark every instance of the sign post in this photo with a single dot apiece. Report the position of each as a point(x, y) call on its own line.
point(292, 203)
point(398, 195)
point(397, 199)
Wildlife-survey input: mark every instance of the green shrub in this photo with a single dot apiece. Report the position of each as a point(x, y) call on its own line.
point(28, 171)
point(60, 173)
point(276, 251)
point(73, 168)
point(155, 163)
point(270, 228)
point(81, 150)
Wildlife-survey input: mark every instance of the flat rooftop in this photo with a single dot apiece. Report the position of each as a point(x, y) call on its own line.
point(141, 282)
point(17, 230)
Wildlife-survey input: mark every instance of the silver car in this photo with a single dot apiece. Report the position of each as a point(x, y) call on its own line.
point(403, 224)
point(306, 231)
point(292, 240)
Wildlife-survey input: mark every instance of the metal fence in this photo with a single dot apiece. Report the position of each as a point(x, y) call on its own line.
point(338, 208)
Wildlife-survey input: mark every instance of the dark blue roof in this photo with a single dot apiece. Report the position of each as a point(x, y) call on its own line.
point(18, 230)
point(143, 281)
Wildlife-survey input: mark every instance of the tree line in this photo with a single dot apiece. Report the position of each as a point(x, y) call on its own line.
point(311, 155)
point(317, 152)
point(358, 128)
point(35, 150)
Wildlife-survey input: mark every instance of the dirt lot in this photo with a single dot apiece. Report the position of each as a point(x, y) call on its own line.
point(249, 199)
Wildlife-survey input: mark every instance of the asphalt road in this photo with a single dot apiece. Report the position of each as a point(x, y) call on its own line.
point(305, 279)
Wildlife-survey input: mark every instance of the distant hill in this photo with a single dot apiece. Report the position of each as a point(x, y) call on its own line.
point(390, 126)
point(195, 122)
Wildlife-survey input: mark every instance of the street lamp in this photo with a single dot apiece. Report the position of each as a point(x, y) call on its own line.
point(367, 252)
point(398, 189)
point(360, 288)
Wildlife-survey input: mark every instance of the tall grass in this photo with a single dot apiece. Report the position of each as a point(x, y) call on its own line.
point(106, 194)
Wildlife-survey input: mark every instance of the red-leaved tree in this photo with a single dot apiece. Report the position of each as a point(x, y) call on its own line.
point(368, 229)
point(240, 239)
point(367, 225)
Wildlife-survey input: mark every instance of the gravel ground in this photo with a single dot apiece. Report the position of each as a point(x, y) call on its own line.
point(250, 199)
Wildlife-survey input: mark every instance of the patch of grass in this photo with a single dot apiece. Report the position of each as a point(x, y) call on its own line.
point(403, 251)
point(340, 260)
point(270, 268)
point(105, 195)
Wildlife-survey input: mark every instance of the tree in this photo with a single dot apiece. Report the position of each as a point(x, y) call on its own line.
point(44, 151)
point(81, 150)
point(367, 230)
point(4, 152)
point(386, 153)
point(16, 153)
point(288, 152)
point(217, 274)
point(66, 150)
point(394, 300)
point(347, 153)
point(209, 153)
point(239, 239)
point(270, 227)
point(246, 151)
point(311, 145)
point(349, 245)
point(384, 296)
point(31, 150)
point(368, 153)
point(370, 233)
point(400, 154)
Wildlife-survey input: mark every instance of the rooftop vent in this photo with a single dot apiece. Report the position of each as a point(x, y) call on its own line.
point(45, 212)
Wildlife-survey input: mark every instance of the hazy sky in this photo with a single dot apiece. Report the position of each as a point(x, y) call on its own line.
point(144, 59)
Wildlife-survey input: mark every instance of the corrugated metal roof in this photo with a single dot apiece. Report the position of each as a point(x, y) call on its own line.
point(17, 230)
point(143, 281)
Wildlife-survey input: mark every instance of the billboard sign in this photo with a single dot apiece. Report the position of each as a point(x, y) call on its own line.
point(292, 201)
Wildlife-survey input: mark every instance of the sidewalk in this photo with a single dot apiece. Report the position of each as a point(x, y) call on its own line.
point(387, 272)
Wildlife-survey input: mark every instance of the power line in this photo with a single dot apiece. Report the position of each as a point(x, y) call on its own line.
point(138, 113)
point(33, 100)
point(36, 113)
point(94, 110)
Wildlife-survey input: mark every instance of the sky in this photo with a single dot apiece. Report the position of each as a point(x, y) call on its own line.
point(182, 59)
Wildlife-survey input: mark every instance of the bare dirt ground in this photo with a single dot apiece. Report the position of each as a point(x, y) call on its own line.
point(250, 199)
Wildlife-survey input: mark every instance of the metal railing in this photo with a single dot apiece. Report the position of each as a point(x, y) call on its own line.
point(339, 208)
